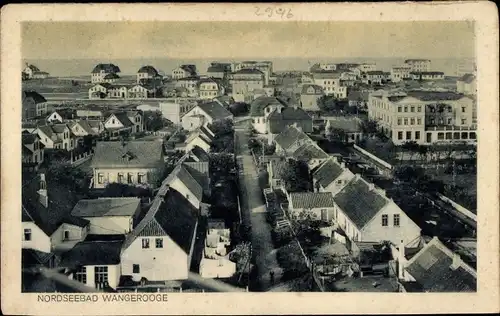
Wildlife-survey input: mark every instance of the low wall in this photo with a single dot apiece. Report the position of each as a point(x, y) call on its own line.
point(372, 156)
point(459, 207)
point(78, 160)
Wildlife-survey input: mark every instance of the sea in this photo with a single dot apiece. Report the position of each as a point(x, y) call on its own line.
point(83, 67)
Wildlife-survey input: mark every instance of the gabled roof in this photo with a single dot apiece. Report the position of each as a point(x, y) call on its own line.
point(180, 172)
point(189, 68)
point(317, 89)
point(289, 136)
point(327, 172)
point(37, 97)
point(131, 154)
point(198, 173)
point(32, 67)
point(215, 110)
point(59, 128)
point(108, 68)
point(309, 200)
point(28, 139)
point(100, 207)
point(433, 270)
point(88, 253)
point(46, 129)
point(60, 203)
point(359, 202)
point(169, 215)
point(150, 70)
point(94, 123)
point(350, 125)
point(86, 126)
point(278, 168)
point(200, 153)
point(33, 257)
point(66, 113)
point(290, 114)
point(258, 105)
point(309, 151)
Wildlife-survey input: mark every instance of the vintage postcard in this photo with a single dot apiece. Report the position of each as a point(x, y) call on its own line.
point(298, 158)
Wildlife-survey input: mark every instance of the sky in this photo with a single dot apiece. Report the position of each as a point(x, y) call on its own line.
point(239, 40)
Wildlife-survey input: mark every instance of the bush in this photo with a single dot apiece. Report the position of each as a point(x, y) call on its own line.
point(292, 261)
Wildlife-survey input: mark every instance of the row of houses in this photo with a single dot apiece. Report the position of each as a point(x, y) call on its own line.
point(116, 242)
point(361, 215)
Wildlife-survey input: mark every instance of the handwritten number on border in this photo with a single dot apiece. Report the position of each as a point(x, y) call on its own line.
point(269, 12)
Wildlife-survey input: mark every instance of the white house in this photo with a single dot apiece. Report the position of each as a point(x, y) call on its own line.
point(260, 109)
point(101, 70)
point(57, 136)
point(94, 263)
point(214, 262)
point(427, 75)
point(331, 176)
point(146, 73)
point(130, 122)
point(32, 151)
point(209, 89)
point(310, 153)
point(184, 71)
point(200, 138)
point(108, 216)
point(160, 247)
point(330, 82)
point(186, 184)
point(99, 91)
point(320, 204)
point(62, 115)
point(203, 114)
point(367, 215)
point(82, 128)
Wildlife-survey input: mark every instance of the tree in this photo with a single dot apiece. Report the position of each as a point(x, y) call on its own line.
point(337, 135)
point(239, 108)
point(369, 127)
point(411, 147)
point(154, 121)
point(292, 260)
point(222, 127)
point(296, 176)
point(423, 151)
point(74, 179)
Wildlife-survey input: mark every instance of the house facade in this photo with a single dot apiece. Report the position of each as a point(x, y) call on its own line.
point(318, 204)
point(57, 136)
point(190, 84)
point(330, 83)
point(260, 109)
point(100, 71)
point(146, 73)
point(418, 65)
point(32, 151)
point(184, 71)
point(33, 105)
point(466, 84)
point(209, 89)
point(400, 73)
point(427, 75)
point(243, 82)
point(133, 162)
point(203, 114)
point(309, 97)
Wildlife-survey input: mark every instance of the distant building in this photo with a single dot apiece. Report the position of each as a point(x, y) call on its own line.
point(190, 84)
point(400, 73)
point(330, 83)
point(418, 65)
point(133, 162)
point(56, 136)
point(266, 67)
point(320, 204)
point(184, 71)
point(376, 77)
point(309, 97)
point(173, 109)
point(33, 104)
point(146, 73)
point(467, 84)
point(218, 70)
point(365, 67)
point(425, 117)
point(350, 126)
point(110, 78)
point(32, 151)
point(244, 82)
point(209, 89)
point(203, 114)
point(100, 71)
point(62, 115)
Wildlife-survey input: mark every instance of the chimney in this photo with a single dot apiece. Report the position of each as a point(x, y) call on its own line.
point(342, 164)
point(43, 197)
point(401, 260)
point(457, 261)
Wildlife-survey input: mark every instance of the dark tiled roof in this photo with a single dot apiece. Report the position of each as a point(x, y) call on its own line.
point(106, 207)
point(171, 215)
point(197, 173)
point(467, 78)
point(61, 202)
point(307, 152)
point(189, 68)
point(37, 97)
point(180, 172)
point(317, 89)
point(289, 136)
point(215, 110)
point(149, 70)
point(109, 68)
point(310, 200)
point(434, 95)
point(432, 270)
point(86, 126)
point(92, 253)
point(346, 124)
point(66, 113)
point(327, 173)
point(33, 67)
point(111, 76)
point(59, 128)
point(123, 118)
point(278, 168)
point(200, 154)
point(279, 120)
point(359, 203)
point(29, 139)
point(258, 105)
point(33, 257)
point(250, 71)
point(133, 154)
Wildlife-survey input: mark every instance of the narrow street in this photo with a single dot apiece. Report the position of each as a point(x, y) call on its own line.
point(254, 213)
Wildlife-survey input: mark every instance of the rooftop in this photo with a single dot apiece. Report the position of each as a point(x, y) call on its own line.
point(350, 125)
point(309, 200)
point(309, 151)
point(215, 110)
point(258, 105)
point(133, 154)
point(124, 206)
point(92, 253)
point(328, 172)
point(108, 68)
point(289, 136)
point(150, 70)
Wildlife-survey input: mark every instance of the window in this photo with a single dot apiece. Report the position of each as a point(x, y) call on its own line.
point(419, 108)
point(66, 235)
point(406, 121)
point(145, 243)
point(417, 135)
point(130, 178)
point(141, 178)
point(463, 109)
point(81, 275)
point(136, 268)
point(27, 234)
point(385, 220)
point(408, 135)
point(159, 242)
point(412, 109)
point(400, 135)
point(101, 274)
point(449, 109)
point(448, 120)
point(412, 121)
point(399, 121)
point(464, 121)
point(448, 135)
point(406, 109)
point(399, 109)
point(419, 121)
point(440, 136)
point(100, 178)
point(396, 220)
point(120, 178)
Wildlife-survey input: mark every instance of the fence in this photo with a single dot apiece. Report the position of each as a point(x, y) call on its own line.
point(80, 159)
point(458, 207)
